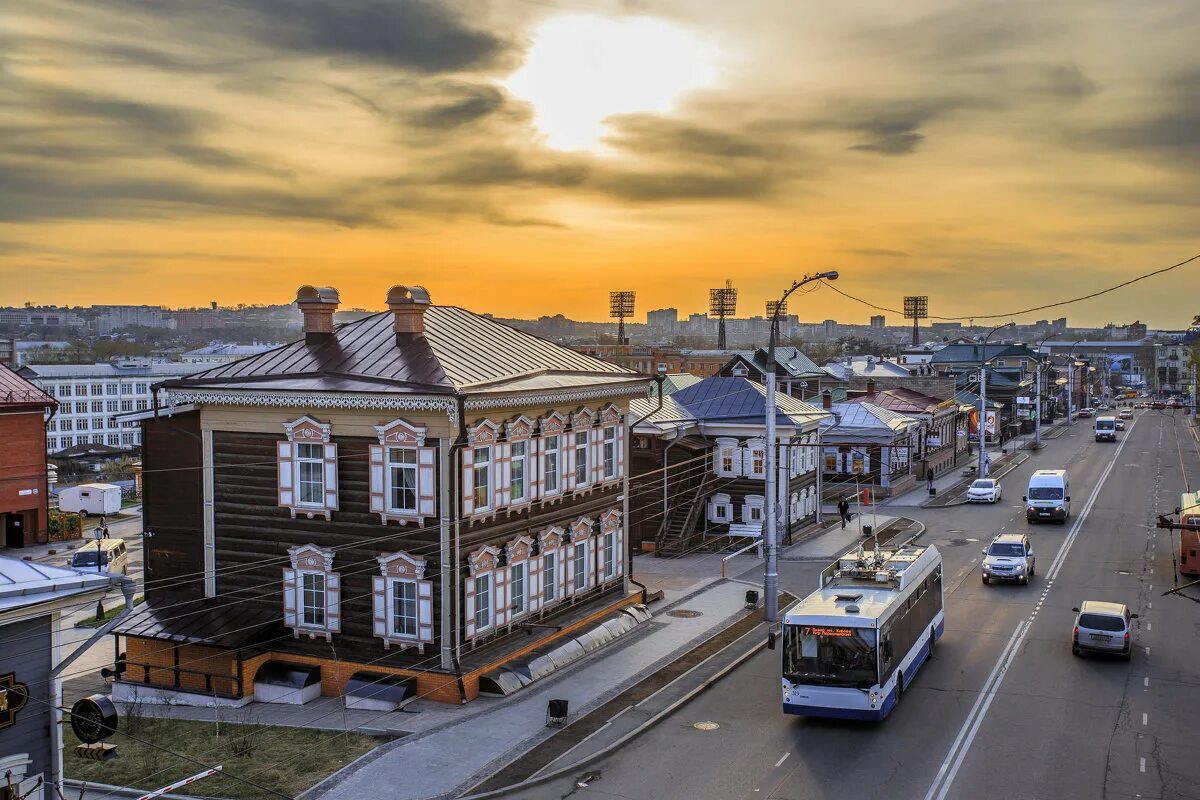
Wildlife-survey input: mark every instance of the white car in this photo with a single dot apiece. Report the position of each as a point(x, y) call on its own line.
point(984, 490)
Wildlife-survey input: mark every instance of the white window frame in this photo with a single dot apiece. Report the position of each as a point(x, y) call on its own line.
point(392, 584)
point(302, 605)
point(310, 561)
point(727, 451)
point(552, 456)
point(319, 461)
point(610, 546)
point(611, 459)
point(486, 607)
point(483, 468)
point(307, 430)
point(390, 486)
point(514, 610)
point(582, 464)
point(720, 501)
point(550, 588)
point(523, 460)
point(752, 503)
point(579, 558)
point(756, 460)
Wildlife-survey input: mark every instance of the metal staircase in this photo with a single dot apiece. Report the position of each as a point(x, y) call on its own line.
point(677, 532)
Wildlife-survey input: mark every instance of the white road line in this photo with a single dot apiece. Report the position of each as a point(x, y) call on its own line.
point(1149, 625)
point(782, 759)
point(1142, 764)
point(1147, 651)
point(1150, 605)
point(1145, 721)
point(946, 773)
point(1146, 682)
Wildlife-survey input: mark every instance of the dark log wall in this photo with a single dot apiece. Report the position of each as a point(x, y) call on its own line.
point(253, 535)
point(173, 506)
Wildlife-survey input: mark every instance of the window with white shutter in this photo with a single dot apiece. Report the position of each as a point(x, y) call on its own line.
point(582, 557)
point(480, 493)
point(720, 509)
point(312, 593)
point(402, 601)
point(484, 584)
point(307, 469)
point(727, 458)
point(550, 555)
point(519, 555)
point(402, 474)
point(756, 460)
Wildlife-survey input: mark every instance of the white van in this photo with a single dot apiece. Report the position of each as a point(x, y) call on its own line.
point(1106, 429)
point(1048, 496)
point(90, 499)
point(112, 555)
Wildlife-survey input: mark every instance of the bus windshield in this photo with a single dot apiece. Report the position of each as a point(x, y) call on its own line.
point(829, 656)
point(1045, 493)
point(1105, 424)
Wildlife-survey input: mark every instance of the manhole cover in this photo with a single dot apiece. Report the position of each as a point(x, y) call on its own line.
point(958, 542)
point(686, 613)
point(705, 726)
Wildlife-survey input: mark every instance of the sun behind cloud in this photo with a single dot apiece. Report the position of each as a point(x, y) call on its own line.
point(583, 69)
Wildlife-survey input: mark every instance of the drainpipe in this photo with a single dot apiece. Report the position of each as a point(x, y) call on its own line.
point(444, 558)
point(666, 458)
point(629, 424)
point(455, 477)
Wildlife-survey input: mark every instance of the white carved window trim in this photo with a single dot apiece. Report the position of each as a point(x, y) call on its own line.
point(485, 564)
point(311, 560)
point(519, 553)
point(302, 431)
point(727, 459)
point(610, 526)
point(551, 543)
point(399, 434)
point(518, 432)
point(755, 463)
point(552, 429)
point(720, 501)
point(395, 569)
point(750, 504)
point(582, 542)
point(611, 417)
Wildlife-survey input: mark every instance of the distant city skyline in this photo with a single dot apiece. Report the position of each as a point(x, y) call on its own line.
point(519, 158)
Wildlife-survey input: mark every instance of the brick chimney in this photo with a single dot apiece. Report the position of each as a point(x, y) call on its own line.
point(317, 303)
point(870, 386)
point(408, 305)
point(826, 399)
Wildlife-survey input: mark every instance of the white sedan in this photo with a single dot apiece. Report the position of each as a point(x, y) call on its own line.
point(984, 490)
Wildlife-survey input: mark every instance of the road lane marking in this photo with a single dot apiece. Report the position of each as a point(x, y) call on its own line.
point(946, 773)
point(782, 759)
point(1142, 765)
point(1147, 651)
point(1149, 625)
point(1146, 682)
point(1145, 718)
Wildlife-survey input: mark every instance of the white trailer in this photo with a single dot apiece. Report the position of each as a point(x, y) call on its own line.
point(90, 499)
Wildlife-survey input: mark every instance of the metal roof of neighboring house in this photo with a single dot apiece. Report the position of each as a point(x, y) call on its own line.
point(163, 369)
point(17, 391)
point(27, 583)
point(792, 360)
point(866, 416)
point(459, 351)
point(676, 381)
point(866, 367)
point(902, 400)
point(973, 353)
point(229, 349)
point(648, 417)
point(740, 400)
point(93, 450)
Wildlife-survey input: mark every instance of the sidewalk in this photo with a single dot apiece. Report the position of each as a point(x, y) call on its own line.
point(451, 758)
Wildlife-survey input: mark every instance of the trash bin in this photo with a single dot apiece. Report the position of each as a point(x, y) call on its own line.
point(751, 598)
point(932, 491)
point(867, 530)
point(556, 713)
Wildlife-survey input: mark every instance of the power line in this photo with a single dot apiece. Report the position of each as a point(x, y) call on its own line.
point(1005, 314)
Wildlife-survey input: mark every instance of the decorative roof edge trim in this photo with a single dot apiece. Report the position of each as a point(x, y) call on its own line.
point(555, 398)
point(342, 400)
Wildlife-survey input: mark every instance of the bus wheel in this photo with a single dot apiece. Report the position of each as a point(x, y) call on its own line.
point(899, 687)
point(932, 641)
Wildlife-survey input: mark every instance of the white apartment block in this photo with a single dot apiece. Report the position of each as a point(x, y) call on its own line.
point(91, 396)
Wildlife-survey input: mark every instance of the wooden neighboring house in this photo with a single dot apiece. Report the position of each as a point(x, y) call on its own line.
point(866, 446)
point(795, 373)
point(418, 498)
point(939, 445)
point(24, 487)
point(715, 481)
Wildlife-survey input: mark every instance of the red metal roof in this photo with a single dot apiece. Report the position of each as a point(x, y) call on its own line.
point(16, 391)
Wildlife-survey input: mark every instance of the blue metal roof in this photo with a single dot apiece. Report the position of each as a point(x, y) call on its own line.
point(739, 400)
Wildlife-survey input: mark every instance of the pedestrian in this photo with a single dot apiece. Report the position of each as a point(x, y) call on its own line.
point(104, 531)
point(844, 511)
point(929, 479)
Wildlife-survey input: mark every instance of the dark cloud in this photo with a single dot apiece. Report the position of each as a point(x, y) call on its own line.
point(1164, 128)
point(462, 104)
point(893, 127)
point(498, 167)
point(425, 36)
point(659, 135)
point(678, 185)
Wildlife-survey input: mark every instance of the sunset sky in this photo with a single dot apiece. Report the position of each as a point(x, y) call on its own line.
point(523, 157)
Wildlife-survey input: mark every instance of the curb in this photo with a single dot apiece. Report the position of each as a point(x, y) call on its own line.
point(623, 740)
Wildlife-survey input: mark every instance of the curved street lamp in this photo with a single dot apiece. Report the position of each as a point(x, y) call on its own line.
point(771, 575)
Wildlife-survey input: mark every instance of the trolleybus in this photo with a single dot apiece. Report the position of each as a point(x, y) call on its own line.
point(851, 648)
point(1189, 540)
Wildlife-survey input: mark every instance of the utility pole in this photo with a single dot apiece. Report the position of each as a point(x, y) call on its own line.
point(771, 568)
point(1037, 408)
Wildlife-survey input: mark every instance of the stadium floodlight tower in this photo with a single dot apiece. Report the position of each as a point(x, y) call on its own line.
point(916, 308)
point(620, 308)
point(775, 310)
point(722, 303)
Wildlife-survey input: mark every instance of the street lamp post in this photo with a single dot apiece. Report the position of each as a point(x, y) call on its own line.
point(771, 574)
point(983, 359)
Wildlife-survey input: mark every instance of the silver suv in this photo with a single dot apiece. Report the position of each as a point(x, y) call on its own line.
point(1008, 558)
point(1102, 628)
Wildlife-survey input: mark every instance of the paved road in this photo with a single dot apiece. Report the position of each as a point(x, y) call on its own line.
point(1003, 710)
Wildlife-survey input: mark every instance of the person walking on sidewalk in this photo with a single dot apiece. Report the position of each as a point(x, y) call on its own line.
point(929, 479)
point(843, 508)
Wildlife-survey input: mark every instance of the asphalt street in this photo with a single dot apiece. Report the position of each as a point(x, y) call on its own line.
point(1003, 709)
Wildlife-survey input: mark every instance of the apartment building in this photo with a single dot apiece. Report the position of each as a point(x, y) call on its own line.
point(92, 396)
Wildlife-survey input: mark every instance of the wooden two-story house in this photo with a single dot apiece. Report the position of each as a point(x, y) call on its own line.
point(700, 462)
point(422, 495)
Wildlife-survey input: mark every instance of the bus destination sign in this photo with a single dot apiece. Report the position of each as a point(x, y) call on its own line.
point(831, 633)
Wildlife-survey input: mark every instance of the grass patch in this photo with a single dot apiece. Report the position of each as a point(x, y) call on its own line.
point(288, 760)
point(92, 622)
